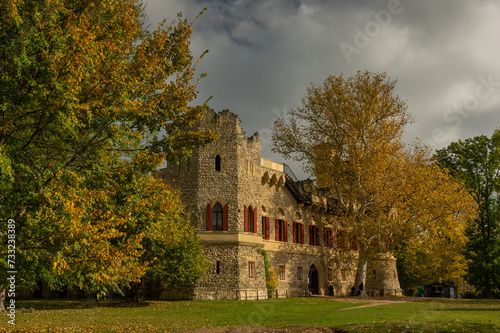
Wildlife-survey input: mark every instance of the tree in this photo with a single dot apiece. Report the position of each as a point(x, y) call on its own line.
point(430, 237)
point(476, 161)
point(348, 133)
point(85, 89)
point(133, 229)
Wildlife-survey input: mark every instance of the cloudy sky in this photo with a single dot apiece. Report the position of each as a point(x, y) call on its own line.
point(263, 54)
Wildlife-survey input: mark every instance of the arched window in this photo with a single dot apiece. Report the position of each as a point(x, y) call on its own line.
point(217, 218)
point(250, 219)
point(217, 163)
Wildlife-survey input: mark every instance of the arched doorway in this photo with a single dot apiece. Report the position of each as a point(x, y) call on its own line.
point(313, 280)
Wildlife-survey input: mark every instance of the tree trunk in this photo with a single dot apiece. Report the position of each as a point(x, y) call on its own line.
point(488, 292)
point(361, 276)
point(135, 292)
point(2, 301)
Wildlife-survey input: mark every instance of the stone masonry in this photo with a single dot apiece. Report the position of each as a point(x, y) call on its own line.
point(241, 203)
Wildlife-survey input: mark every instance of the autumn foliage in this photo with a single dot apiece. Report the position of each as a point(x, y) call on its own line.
point(91, 104)
point(476, 162)
point(348, 133)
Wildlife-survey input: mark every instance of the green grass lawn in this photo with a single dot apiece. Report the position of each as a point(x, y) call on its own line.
point(168, 316)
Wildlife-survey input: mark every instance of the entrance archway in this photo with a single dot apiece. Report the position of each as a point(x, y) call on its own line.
point(313, 280)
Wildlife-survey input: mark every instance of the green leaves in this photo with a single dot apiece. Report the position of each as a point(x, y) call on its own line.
point(91, 104)
point(476, 161)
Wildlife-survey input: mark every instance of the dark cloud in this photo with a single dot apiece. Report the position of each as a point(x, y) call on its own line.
point(264, 54)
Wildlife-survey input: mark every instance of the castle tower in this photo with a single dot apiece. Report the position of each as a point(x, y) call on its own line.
point(220, 185)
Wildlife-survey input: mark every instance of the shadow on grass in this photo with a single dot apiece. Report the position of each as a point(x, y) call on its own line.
point(495, 309)
point(62, 304)
point(400, 327)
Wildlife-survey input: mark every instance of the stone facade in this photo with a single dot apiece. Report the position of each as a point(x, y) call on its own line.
point(242, 203)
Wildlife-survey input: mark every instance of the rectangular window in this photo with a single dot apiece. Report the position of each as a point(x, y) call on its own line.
point(282, 272)
point(250, 219)
point(299, 272)
point(354, 243)
point(374, 274)
point(298, 233)
point(217, 267)
point(313, 235)
point(281, 231)
point(330, 274)
point(251, 269)
point(328, 237)
point(343, 276)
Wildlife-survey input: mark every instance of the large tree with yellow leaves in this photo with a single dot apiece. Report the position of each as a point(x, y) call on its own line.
point(348, 133)
point(90, 104)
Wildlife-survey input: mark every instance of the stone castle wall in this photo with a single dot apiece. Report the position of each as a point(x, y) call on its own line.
point(246, 180)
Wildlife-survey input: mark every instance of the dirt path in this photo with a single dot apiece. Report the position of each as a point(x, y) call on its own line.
point(374, 303)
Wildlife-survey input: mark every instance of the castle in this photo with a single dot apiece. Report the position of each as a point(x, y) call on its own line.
point(242, 202)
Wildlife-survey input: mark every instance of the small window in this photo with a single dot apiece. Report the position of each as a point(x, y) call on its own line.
point(354, 243)
point(217, 218)
point(298, 233)
point(330, 274)
point(299, 272)
point(342, 276)
point(217, 267)
point(217, 163)
point(281, 231)
point(282, 272)
point(251, 269)
point(250, 219)
point(328, 237)
point(313, 235)
point(374, 274)
point(265, 227)
point(436, 289)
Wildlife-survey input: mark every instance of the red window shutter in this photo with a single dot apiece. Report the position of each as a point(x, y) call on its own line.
point(324, 237)
point(209, 217)
point(286, 230)
point(224, 217)
point(255, 220)
point(277, 231)
point(294, 232)
point(267, 227)
point(310, 235)
point(331, 238)
point(302, 233)
point(317, 236)
point(246, 218)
